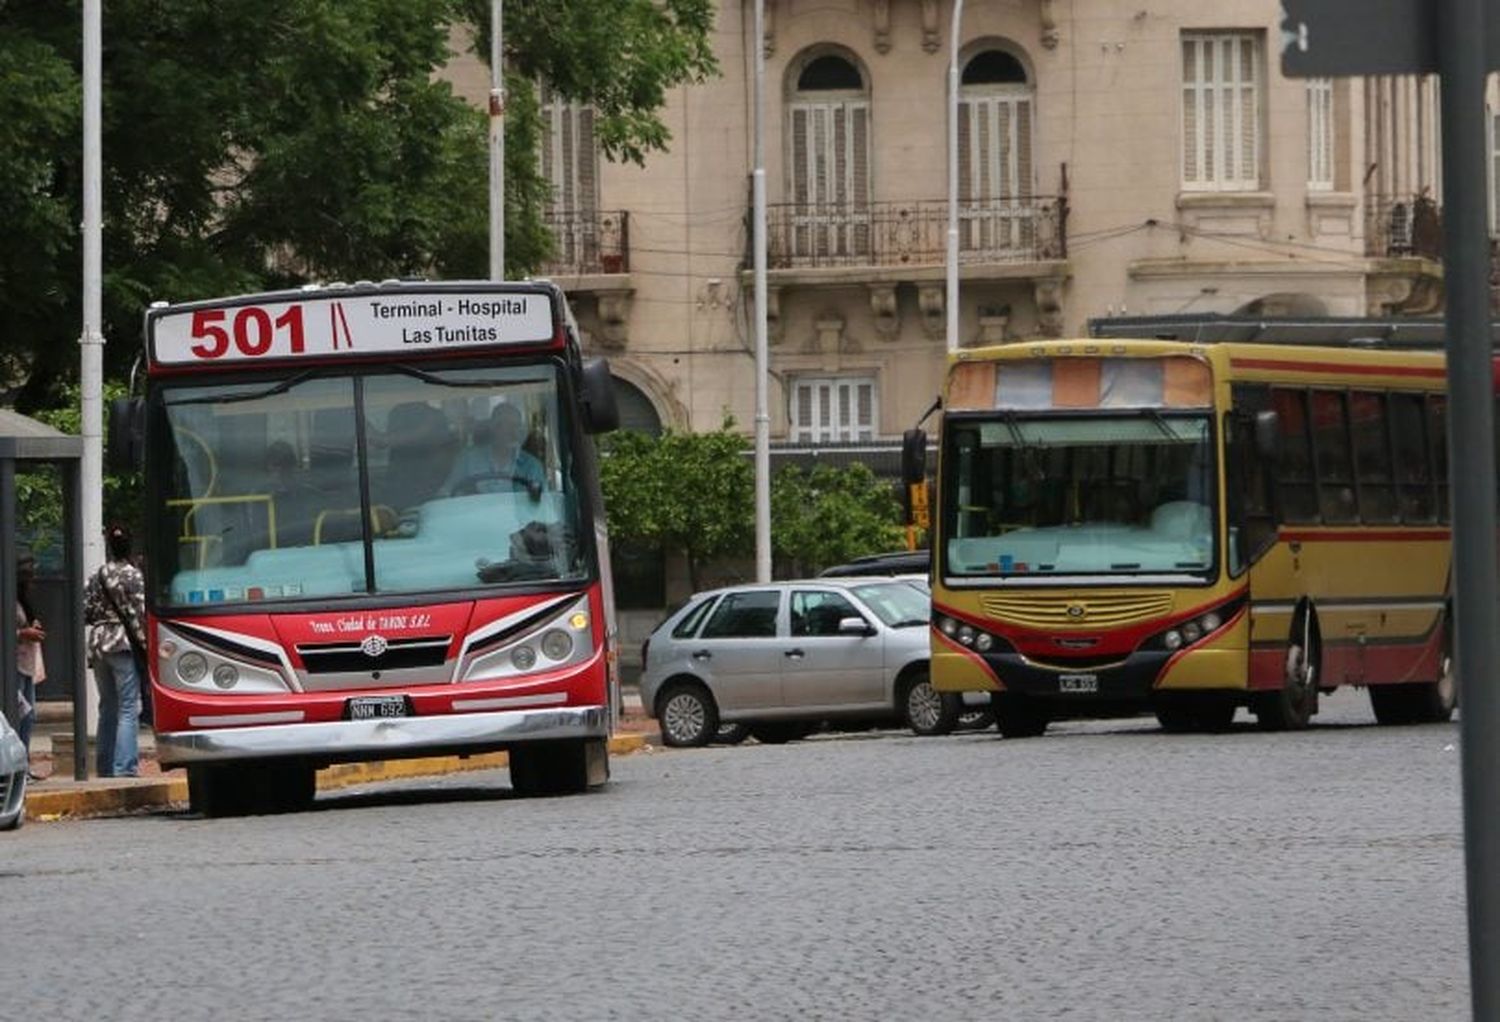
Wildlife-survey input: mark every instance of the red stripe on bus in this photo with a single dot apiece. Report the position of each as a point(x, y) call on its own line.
point(1283, 365)
point(1364, 535)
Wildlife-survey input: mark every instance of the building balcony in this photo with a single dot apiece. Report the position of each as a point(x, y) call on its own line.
point(906, 235)
point(591, 262)
point(588, 243)
point(1403, 227)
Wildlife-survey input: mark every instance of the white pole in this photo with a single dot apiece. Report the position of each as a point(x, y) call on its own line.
point(951, 301)
point(762, 411)
point(91, 370)
point(497, 141)
point(91, 341)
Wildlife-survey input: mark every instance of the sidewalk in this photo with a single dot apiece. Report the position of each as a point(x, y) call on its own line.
point(59, 796)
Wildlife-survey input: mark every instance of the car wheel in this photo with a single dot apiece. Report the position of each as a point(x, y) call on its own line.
point(926, 710)
point(687, 715)
point(731, 734)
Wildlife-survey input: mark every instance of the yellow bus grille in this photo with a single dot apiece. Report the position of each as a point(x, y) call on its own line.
point(1096, 610)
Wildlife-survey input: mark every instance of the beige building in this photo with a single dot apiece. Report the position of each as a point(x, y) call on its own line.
point(1114, 158)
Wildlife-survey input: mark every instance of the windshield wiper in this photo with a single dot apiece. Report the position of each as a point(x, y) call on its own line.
point(1012, 423)
point(1159, 421)
point(443, 381)
point(248, 395)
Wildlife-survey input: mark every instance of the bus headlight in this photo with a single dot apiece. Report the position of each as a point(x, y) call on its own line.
point(557, 644)
point(983, 642)
point(1172, 640)
point(966, 635)
point(1211, 622)
point(947, 626)
point(226, 675)
point(192, 667)
point(1191, 632)
point(524, 657)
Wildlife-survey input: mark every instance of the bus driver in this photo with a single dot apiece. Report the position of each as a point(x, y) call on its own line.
point(502, 464)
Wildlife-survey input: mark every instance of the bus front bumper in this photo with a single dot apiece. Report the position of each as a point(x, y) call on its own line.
point(384, 738)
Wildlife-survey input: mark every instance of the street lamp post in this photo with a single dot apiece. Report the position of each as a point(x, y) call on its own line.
point(91, 341)
point(951, 301)
point(762, 411)
point(497, 141)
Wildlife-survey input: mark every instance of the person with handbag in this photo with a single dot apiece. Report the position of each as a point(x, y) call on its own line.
point(114, 609)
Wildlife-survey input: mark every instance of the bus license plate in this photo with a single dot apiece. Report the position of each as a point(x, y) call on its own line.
point(1078, 683)
point(377, 707)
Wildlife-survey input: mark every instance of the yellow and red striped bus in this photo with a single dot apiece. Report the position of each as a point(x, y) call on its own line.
point(1130, 524)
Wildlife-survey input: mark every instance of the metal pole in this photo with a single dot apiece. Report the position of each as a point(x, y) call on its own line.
point(951, 301)
point(762, 410)
point(497, 140)
point(91, 371)
point(72, 565)
point(1471, 460)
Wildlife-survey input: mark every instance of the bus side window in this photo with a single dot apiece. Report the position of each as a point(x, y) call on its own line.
point(1372, 456)
point(1247, 484)
point(1295, 487)
point(1437, 444)
point(1410, 450)
point(1335, 465)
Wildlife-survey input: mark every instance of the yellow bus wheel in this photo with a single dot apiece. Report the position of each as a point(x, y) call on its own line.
point(1290, 708)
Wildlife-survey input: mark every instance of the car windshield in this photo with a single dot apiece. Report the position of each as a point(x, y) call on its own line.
point(1095, 495)
point(897, 604)
point(381, 483)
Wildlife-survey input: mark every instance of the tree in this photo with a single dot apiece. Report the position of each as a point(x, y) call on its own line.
point(259, 143)
point(831, 515)
point(692, 492)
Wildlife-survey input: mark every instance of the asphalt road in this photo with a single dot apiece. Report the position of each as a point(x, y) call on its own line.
point(1105, 871)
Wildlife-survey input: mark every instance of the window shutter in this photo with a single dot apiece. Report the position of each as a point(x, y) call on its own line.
point(1192, 95)
point(1494, 126)
point(1024, 176)
point(588, 162)
point(1221, 98)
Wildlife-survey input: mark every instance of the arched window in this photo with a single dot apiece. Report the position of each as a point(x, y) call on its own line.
point(995, 116)
point(570, 163)
point(828, 160)
point(636, 410)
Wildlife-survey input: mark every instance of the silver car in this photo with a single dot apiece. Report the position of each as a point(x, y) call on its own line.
point(13, 765)
point(784, 657)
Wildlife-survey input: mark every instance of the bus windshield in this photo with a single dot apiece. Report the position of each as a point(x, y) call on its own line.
point(383, 482)
point(1085, 495)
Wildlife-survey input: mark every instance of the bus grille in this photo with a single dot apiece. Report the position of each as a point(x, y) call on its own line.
point(340, 657)
point(1100, 610)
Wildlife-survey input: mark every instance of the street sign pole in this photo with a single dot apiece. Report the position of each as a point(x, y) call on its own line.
point(1471, 457)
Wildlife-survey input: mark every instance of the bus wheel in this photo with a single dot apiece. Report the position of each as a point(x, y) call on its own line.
point(1291, 707)
point(568, 767)
point(926, 710)
point(687, 715)
point(1019, 716)
point(1183, 712)
point(1423, 702)
point(217, 791)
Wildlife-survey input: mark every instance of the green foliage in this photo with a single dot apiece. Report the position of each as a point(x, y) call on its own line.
point(39, 506)
point(692, 492)
point(258, 143)
point(831, 515)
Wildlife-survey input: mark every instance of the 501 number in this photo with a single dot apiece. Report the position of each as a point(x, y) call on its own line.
point(252, 331)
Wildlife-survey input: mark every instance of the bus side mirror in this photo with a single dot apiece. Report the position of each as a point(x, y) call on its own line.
point(1268, 436)
point(597, 390)
point(913, 456)
point(126, 446)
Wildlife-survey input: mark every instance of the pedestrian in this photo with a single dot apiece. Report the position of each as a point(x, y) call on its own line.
point(114, 608)
point(31, 669)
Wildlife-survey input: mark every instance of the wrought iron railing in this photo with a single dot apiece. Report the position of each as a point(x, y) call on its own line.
point(1403, 225)
point(1015, 230)
point(588, 242)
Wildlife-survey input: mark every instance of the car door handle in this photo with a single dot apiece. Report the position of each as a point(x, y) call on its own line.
point(702, 654)
point(794, 654)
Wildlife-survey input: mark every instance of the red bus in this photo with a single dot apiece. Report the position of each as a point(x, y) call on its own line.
point(374, 532)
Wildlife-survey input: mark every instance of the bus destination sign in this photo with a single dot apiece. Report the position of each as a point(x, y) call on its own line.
point(321, 325)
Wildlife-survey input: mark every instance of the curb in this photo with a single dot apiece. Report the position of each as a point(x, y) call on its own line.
point(107, 796)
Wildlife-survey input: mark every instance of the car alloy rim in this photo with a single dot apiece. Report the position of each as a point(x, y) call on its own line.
point(684, 717)
point(923, 704)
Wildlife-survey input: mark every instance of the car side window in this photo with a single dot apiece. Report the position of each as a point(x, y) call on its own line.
point(816, 614)
point(744, 616)
point(692, 619)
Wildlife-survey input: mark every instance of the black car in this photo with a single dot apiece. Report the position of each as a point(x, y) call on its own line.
point(901, 562)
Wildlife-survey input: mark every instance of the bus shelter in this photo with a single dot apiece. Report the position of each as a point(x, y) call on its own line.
point(28, 445)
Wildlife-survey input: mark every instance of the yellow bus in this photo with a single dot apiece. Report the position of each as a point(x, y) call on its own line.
point(1187, 526)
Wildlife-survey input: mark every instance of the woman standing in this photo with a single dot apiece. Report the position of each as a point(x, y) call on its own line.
point(30, 667)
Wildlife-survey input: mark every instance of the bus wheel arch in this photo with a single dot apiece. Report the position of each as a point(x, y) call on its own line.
point(687, 713)
point(1421, 702)
point(1291, 706)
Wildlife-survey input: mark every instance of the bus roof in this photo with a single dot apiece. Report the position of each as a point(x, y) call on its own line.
point(1421, 332)
point(361, 321)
